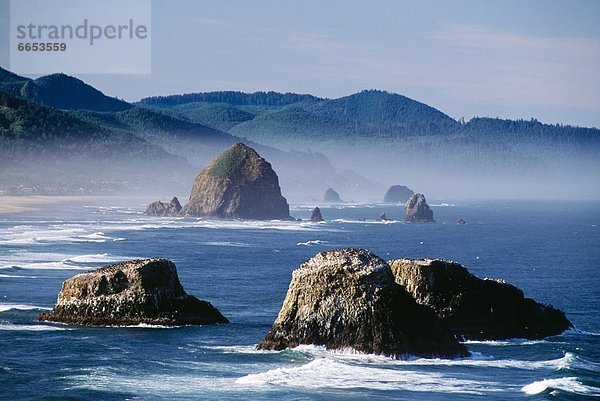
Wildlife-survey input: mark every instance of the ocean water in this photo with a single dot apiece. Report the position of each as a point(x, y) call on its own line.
point(550, 250)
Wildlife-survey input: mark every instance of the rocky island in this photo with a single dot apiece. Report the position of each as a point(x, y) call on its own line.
point(316, 216)
point(417, 210)
point(474, 308)
point(237, 184)
point(331, 196)
point(130, 293)
point(397, 194)
point(348, 298)
point(159, 208)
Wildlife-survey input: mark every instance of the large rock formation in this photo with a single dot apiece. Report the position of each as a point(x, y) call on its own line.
point(417, 209)
point(159, 208)
point(316, 215)
point(348, 298)
point(331, 196)
point(476, 308)
point(397, 194)
point(237, 184)
point(129, 293)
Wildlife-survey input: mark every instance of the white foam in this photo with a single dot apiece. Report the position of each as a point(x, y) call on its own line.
point(226, 243)
point(110, 379)
point(6, 307)
point(261, 225)
point(566, 384)
point(332, 373)
point(238, 349)
point(31, 327)
point(349, 354)
point(56, 261)
point(503, 343)
point(350, 221)
point(312, 242)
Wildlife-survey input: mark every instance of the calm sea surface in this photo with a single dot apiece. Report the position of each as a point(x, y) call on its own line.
point(550, 250)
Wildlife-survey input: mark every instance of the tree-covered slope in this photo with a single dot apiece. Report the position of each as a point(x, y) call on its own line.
point(59, 91)
point(57, 151)
point(233, 98)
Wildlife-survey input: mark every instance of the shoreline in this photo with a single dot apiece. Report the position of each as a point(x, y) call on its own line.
point(36, 203)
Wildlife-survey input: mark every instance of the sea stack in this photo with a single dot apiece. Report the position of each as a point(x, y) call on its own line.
point(348, 298)
point(316, 215)
point(130, 293)
point(159, 208)
point(417, 210)
point(397, 194)
point(331, 196)
point(237, 184)
point(474, 308)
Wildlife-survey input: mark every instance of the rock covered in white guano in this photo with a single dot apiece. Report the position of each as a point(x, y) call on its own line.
point(129, 293)
point(348, 298)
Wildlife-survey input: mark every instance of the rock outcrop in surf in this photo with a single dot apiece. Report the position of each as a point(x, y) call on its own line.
point(130, 293)
point(331, 196)
point(474, 308)
point(417, 210)
point(397, 194)
point(348, 298)
point(316, 215)
point(159, 208)
point(237, 184)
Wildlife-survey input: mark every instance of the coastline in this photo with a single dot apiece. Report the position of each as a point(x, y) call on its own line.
point(35, 203)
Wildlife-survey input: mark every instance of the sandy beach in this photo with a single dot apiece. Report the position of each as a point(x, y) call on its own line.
point(34, 203)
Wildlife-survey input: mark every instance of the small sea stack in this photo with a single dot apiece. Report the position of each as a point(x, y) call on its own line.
point(475, 308)
point(331, 196)
point(316, 215)
point(348, 298)
point(159, 208)
point(382, 217)
point(417, 210)
point(237, 184)
point(130, 293)
point(397, 194)
point(461, 222)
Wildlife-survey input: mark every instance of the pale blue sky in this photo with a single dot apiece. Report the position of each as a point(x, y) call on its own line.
point(512, 59)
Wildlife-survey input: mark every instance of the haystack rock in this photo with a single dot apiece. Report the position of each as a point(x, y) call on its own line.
point(348, 298)
point(397, 194)
point(316, 215)
point(237, 184)
point(474, 308)
point(159, 208)
point(331, 196)
point(417, 209)
point(129, 293)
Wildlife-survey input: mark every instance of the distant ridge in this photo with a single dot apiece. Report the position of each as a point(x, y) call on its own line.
point(233, 98)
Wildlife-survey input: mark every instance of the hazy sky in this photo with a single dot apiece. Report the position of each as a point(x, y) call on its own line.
point(512, 59)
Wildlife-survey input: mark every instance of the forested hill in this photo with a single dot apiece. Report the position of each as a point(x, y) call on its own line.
point(233, 98)
point(531, 130)
point(59, 91)
point(57, 153)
